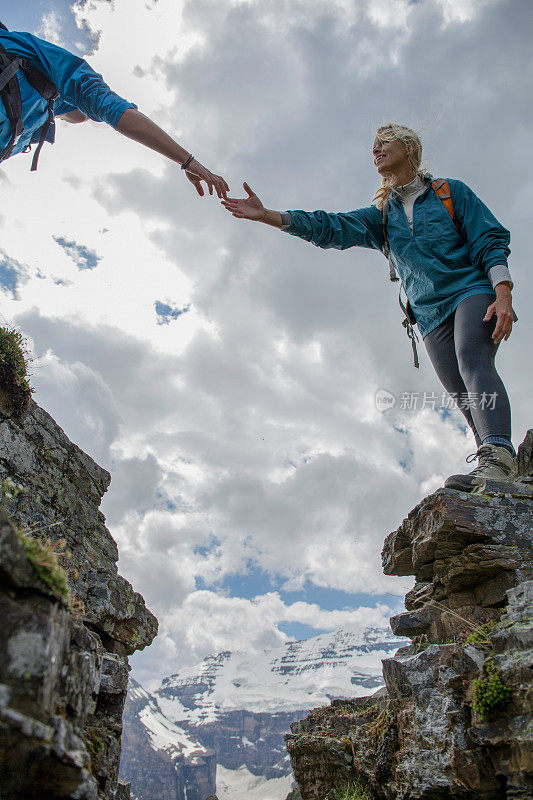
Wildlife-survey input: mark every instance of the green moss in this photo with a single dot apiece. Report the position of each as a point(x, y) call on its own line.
point(44, 558)
point(490, 692)
point(14, 361)
point(96, 744)
point(95, 747)
point(480, 637)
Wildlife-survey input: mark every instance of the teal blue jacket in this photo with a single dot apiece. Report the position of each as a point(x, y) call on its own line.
point(437, 265)
point(79, 87)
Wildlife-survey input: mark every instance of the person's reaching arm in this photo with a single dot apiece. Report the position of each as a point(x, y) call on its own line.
point(359, 228)
point(141, 129)
point(84, 91)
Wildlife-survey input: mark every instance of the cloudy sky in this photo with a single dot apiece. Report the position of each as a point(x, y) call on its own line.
point(224, 372)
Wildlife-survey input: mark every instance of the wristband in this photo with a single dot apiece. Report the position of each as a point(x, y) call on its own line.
point(187, 162)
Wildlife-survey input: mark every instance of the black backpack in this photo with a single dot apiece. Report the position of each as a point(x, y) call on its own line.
point(10, 94)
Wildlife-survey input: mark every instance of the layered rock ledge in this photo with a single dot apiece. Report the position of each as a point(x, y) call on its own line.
point(63, 660)
point(454, 721)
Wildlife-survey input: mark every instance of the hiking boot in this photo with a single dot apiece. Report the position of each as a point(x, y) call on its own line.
point(494, 464)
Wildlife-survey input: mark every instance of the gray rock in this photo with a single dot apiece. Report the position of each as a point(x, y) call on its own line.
point(470, 610)
point(63, 663)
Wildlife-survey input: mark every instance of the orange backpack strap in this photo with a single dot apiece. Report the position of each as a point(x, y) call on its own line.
point(441, 188)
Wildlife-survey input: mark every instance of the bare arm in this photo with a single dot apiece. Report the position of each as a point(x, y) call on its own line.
point(252, 208)
point(141, 129)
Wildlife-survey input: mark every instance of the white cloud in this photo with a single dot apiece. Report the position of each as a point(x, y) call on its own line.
point(206, 622)
point(50, 28)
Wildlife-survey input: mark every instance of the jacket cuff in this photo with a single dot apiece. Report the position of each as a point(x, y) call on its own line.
point(499, 273)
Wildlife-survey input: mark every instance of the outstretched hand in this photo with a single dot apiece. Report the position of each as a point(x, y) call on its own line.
point(197, 173)
point(249, 207)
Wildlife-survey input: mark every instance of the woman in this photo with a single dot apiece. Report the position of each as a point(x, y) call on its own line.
point(81, 95)
point(456, 280)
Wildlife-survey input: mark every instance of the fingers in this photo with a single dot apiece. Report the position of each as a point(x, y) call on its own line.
point(491, 310)
point(504, 321)
point(503, 333)
point(503, 328)
point(497, 335)
point(214, 183)
point(234, 209)
point(221, 186)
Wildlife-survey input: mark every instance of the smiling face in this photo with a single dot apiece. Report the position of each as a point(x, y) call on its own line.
point(390, 158)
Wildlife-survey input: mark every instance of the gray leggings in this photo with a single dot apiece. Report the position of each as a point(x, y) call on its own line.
point(462, 351)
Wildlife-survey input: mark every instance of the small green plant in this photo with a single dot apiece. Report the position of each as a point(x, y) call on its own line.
point(14, 360)
point(44, 555)
point(481, 636)
point(377, 730)
point(368, 710)
point(420, 643)
point(480, 632)
point(490, 692)
point(353, 791)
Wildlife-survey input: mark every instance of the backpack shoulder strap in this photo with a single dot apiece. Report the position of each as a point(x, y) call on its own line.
point(441, 187)
point(49, 92)
point(40, 82)
point(384, 217)
point(409, 320)
point(386, 249)
point(10, 94)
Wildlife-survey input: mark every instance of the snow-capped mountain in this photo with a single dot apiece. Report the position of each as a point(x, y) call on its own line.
point(294, 677)
point(162, 760)
point(239, 706)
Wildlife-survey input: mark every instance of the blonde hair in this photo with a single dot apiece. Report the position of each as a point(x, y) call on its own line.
point(391, 132)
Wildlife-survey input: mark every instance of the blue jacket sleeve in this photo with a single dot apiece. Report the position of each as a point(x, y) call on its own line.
point(359, 228)
point(487, 239)
point(77, 83)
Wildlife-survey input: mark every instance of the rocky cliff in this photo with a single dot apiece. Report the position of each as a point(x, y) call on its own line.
point(454, 721)
point(69, 619)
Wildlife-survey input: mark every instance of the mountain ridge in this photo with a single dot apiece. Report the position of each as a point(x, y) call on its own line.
point(298, 675)
point(239, 706)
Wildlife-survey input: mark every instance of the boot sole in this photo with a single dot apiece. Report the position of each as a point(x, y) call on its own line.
point(466, 483)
